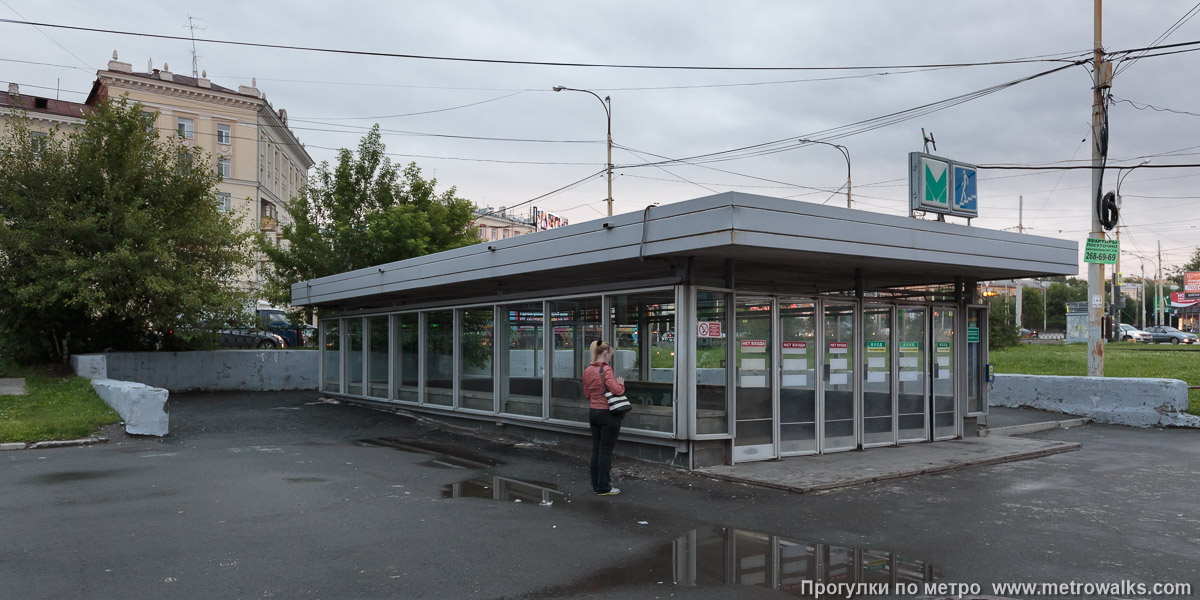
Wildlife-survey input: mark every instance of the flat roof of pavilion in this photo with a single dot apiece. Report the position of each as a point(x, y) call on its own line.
point(825, 246)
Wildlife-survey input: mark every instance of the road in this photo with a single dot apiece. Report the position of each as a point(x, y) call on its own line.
point(280, 495)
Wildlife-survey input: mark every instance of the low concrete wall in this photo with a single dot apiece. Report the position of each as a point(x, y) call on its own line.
point(1140, 402)
point(144, 408)
point(218, 370)
point(92, 366)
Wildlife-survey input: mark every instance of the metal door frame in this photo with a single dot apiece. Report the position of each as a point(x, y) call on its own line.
point(818, 356)
point(772, 380)
point(856, 389)
point(954, 389)
point(892, 383)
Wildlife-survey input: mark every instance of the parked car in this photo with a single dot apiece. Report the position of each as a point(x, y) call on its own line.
point(248, 338)
point(275, 321)
point(1024, 333)
point(1163, 333)
point(1129, 333)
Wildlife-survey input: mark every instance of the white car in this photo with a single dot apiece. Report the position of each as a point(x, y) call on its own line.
point(1129, 333)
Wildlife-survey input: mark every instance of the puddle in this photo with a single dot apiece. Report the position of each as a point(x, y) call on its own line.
point(69, 476)
point(304, 480)
point(504, 489)
point(445, 456)
point(723, 556)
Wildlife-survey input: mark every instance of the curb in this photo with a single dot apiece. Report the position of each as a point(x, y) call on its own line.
point(67, 443)
point(12, 446)
point(1012, 430)
point(1058, 449)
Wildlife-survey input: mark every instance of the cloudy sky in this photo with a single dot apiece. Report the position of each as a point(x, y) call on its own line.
point(332, 98)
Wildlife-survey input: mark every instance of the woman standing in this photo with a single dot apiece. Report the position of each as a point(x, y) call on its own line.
point(597, 378)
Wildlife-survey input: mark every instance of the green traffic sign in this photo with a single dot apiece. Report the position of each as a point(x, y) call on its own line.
point(935, 187)
point(1102, 252)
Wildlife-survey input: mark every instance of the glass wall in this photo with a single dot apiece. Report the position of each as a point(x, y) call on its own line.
point(913, 374)
point(644, 338)
point(354, 356)
point(976, 369)
point(439, 357)
point(408, 352)
point(576, 324)
point(755, 427)
point(877, 411)
point(798, 380)
point(475, 359)
point(839, 377)
point(377, 357)
point(333, 356)
point(943, 373)
point(525, 341)
point(712, 349)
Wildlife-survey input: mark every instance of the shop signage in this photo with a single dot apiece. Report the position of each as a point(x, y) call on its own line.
point(876, 346)
point(1103, 252)
point(709, 329)
point(910, 346)
point(544, 220)
point(754, 345)
point(1191, 283)
point(795, 347)
point(943, 346)
point(839, 347)
point(973, 333)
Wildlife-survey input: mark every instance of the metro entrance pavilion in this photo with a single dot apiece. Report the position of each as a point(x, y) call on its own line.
point(746, 327)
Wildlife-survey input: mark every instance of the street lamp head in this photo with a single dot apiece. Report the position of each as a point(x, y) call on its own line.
point(559, 88)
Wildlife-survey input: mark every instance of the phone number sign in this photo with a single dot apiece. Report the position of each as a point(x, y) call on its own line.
point(1102, 252)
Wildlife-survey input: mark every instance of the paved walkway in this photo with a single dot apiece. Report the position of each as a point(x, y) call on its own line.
point(830, 471)
point(999, 416)
point(12, 386)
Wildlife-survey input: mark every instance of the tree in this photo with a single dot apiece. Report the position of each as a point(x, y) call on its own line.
point(1031, 308)
point(1002, 331)
point(362, 212)
point(1058, 294)
point(110, 238)
point(1191, 265)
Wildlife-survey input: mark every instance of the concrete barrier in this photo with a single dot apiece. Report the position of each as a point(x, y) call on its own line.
point(1140, 402)
point(91, 366)
point(143, 408)
point(218, 370)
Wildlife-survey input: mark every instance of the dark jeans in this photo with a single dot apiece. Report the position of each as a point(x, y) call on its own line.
point(605, 427)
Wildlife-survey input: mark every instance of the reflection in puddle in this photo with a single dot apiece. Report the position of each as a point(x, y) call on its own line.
point(503, 488)
point(446, 456)
point(722, 556)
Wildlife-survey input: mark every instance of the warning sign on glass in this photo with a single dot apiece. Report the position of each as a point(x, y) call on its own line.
point(795, 347)
point(708, 329)
point(839, 347)
point(754, 345)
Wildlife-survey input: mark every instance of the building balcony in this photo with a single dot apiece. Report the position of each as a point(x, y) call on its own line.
point(266, 224)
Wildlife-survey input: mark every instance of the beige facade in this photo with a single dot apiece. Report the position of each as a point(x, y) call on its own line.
point(500, 225)
point(247, 140)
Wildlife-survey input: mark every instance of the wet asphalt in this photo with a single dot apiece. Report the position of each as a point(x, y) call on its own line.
point(278, 495)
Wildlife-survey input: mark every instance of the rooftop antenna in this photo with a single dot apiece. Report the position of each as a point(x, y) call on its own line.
point(192, 26)
point(928, 139)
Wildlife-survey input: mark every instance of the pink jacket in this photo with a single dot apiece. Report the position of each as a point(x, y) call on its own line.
point(593, 388)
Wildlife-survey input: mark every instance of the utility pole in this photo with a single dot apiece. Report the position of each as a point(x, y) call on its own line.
point(1142, 296)
point(1158, 295)
point(1020, 229)
point(1096, 270)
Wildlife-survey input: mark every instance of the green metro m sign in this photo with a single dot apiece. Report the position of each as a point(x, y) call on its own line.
point(935, 184)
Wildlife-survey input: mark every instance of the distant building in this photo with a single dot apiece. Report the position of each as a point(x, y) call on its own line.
point(499, 224)
point(261, 161)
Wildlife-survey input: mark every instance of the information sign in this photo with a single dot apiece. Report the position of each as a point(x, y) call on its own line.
point(1100, 251)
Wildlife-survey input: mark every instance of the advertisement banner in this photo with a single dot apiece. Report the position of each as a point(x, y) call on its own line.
point(544, 220)
point(1191, 282)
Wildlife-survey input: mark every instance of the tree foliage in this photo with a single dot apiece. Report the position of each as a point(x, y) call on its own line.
point(361, 212)
point(1192, 264)
point(110, 237)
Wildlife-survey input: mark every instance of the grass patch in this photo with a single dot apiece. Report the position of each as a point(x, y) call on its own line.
point(53, 408)
point(1120, 360)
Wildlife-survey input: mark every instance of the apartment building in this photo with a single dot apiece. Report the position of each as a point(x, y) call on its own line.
point(261, 161)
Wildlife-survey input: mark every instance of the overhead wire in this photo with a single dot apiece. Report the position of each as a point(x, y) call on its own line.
point(525, 62)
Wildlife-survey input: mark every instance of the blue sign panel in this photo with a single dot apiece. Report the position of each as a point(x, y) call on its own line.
point(966, 193)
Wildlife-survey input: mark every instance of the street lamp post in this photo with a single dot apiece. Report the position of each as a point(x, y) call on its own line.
point(606, 102)
point(845, 152)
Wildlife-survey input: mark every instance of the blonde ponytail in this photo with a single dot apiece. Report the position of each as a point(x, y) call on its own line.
point(599, 347)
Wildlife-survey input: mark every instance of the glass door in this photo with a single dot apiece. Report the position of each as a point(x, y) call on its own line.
point(797, 376)
point(754, 402)
point(838, 402)
point(878, 405)
point(942, 367)
point(913, 398)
